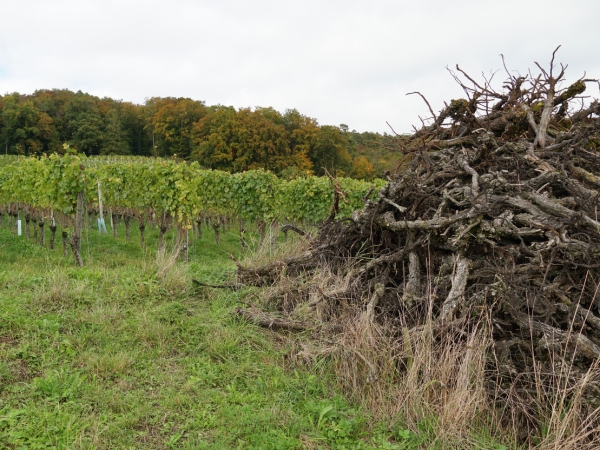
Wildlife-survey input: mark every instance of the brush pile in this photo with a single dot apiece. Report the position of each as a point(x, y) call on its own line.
point(492, 215)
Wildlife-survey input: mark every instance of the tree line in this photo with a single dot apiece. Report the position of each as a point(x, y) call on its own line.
point(217, 137)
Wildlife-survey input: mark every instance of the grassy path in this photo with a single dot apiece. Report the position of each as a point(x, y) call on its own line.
point(113, 356)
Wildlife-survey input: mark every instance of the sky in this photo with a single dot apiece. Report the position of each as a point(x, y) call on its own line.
point(350, 62)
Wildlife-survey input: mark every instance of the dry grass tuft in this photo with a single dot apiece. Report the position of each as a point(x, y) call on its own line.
point(59, 291)
point(558, 413)
point(173, 277)
point(419, 377)
point(271, 249)
point(430, 375)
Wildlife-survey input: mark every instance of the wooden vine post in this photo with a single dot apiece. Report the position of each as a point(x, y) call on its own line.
point(101, 223)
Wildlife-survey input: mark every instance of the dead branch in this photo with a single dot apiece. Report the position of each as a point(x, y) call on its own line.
point(268, 321)
point(284, 229)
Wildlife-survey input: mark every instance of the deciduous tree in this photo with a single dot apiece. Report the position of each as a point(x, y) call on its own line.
point(115, 139)
point(362, 169)
point(26, 129)
point(174, 122)
point(85, 124)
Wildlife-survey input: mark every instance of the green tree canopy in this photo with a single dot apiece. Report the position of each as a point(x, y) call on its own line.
point(115, 139)
point(27, 130)
point(85, 124)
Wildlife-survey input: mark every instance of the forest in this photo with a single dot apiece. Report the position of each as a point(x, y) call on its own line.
point(217, 136)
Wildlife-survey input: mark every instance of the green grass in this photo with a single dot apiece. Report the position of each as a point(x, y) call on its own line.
point(113, 356)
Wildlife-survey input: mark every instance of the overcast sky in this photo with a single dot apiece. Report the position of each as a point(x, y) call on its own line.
point(348, 62)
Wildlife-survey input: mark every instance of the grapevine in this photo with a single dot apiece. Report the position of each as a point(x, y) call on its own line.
point(166, 192)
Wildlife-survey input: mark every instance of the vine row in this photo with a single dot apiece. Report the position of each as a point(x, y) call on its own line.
point(169, 193)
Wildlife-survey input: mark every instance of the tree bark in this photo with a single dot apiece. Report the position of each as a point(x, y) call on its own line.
point(65, 238)
point(413, 286)
point(266, 321)
point(27, 220)
point(75, 240)
point(456, 296)
point(161, 237)
point(142, 227)
point(243, 235)
point(113, 220)
point(127, 219)
point(216, 227)
point(35, 231)
point(41, 225)
point(199, 221)
point(52, 235)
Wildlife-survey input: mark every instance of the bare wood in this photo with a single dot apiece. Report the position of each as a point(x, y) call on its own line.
point(377, 294)
point(386, 259)
point(451, 142)
point(594, 108)
point(233, 286)
point(368, 194)
point(562, 211)
point(555, 336)
point(387, 221)
point(289, 227)
point(589, 317)
point(580, 191)
point(531, 119)
point(428, 105)
point(402, 209)
point(545, 119)
point(271, 322)
point(413, 285)
point(583, 175)
point(474, 177)
point(265, 274)
point(523, 204)
point(337, 194)
point(457, 292)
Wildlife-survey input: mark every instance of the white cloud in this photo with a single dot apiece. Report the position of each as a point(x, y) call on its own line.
point(338, 61)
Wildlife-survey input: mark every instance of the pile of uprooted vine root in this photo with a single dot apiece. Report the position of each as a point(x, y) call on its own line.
point(494, 212)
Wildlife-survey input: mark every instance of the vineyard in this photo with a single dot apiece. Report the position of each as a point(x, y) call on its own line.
point(460, 295)
point(58, 191)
